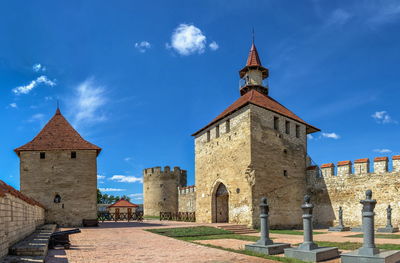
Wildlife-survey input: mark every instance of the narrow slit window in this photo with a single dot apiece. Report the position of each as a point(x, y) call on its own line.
point(208, 136)
point(228, 126)
point(42, 155)
point(287, 127)
point(276, 123)
point(285, 173)
point(297, 131)
point(73, 155)
point(217, 131)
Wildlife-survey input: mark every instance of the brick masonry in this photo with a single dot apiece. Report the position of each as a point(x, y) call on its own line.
point(18, 219)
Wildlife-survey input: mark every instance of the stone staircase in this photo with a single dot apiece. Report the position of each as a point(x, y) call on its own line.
point(33, 248)
point(237, 229)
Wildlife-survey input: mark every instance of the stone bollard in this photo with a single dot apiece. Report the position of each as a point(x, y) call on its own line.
point(340, 227)
point(369, 252)
point(308, 250)
point(265, 245)
point(389, 227)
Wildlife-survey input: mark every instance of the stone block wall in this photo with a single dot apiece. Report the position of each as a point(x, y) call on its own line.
point(160, 189)
point(347, 187)
point(19, 216)
point(187, 199)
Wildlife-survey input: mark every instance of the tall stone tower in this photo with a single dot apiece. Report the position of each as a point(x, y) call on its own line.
point(58, 168)
point(160, 189)
point(254, 148)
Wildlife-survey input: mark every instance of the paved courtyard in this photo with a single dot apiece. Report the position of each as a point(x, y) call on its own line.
point(124, 242)
point(129, 242)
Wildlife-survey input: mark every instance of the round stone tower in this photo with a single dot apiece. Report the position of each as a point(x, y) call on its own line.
point(160, 189)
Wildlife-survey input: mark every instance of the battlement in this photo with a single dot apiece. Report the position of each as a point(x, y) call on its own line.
point(186, 189)
point(158, 171)
point(359, 167)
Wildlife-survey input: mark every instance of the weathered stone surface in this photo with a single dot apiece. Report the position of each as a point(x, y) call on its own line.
point(73, 179)
point(187, 199)
point(252, 160)
point(160, 189)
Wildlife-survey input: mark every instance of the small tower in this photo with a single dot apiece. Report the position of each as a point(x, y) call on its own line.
point(58, 168)
point(160, 189)
point(253, 74)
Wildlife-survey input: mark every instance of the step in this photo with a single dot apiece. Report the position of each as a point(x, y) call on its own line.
point(22, 259)
point(35, 244)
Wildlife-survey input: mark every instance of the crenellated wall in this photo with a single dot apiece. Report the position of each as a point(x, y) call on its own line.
point(187, 199)
point(19, 216)
point(346, 185)
point(160, 189)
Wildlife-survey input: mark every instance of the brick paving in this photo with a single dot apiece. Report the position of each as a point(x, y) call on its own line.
point(129, 242)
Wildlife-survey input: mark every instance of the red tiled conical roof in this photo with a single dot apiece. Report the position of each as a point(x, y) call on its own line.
point(253, 58)
point(123, 203)
point(263, 101)
point(58, 134)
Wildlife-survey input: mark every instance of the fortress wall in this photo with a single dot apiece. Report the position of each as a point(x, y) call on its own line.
point(347, 185)
point(187, 199)
point(19, 217)
point(160, 189)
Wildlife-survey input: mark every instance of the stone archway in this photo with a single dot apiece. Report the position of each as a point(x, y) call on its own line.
point(221, 204)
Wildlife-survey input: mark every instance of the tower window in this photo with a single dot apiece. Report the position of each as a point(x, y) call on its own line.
point(228, 126)
point(73, 155)
point(208, 136)
point(217, 131)
point(42, 155)
point(285, 173)
point(276, 123)
point(297, 131)
point(287, 127)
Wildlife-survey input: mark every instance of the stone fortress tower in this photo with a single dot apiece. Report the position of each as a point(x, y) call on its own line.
point(256, 147)
point(160, 189)
point(58, 168)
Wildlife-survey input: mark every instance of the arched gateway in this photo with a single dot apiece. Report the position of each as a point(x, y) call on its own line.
point(221, 204)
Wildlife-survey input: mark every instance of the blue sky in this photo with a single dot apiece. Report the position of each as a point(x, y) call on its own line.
point(138, 78)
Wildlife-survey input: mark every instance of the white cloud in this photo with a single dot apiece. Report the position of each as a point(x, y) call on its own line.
point(383, 150)
point(128, 159)
point(310, 137)
point(383, 117)
point(13, 105)
point(38, 67)
point(383, 11)
point(88, 102)
point(100, 176)
point(126, 179)
point(33, 84)
point(187, 39)
point(213, 45)
point(37, 117)
point(136, 196)
point(331, 135)
point(142, 46)
point(338, 17)
point(111, 190)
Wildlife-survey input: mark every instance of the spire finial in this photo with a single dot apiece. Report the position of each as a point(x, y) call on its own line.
point(58, 108)
point(253, 37)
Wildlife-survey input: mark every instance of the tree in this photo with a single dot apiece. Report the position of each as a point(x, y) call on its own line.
point(110, 199)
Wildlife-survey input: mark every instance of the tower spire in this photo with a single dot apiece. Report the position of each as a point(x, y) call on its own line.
point(58, 112)
point(253, 74)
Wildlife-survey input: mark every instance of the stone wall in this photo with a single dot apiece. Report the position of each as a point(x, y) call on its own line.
point(19, 216)
point(187, 199)
point(347, 186)
point(224, 157)
point(73, 179)
point(278, 162)
point(160, 189)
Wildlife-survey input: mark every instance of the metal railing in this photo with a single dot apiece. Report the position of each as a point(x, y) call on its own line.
point(107, 216)
point(178, 216)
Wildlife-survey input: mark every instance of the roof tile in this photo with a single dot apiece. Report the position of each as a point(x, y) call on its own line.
point(123, 203)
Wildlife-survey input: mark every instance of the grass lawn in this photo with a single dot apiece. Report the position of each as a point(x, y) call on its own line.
point(388, 236)
point(292, 232)
point(354, 246)
point(191, 234)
